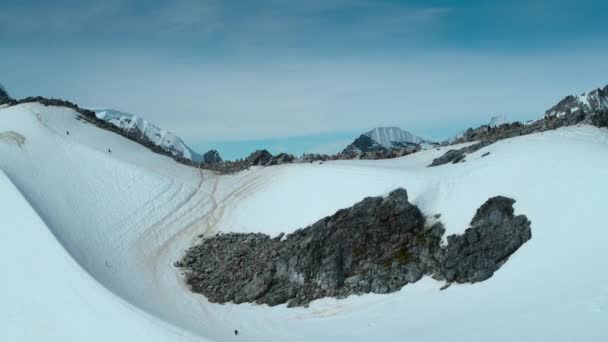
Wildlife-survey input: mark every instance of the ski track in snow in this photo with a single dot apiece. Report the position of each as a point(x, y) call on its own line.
point(125, 217)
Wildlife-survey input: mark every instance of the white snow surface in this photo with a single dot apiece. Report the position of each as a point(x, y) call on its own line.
point(89, 239)
point(385, 136)
point(158, 136)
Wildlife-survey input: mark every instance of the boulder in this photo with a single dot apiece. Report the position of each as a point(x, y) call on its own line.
point(494, 235)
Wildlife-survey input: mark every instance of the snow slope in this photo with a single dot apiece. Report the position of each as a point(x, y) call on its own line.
point(132, 123)
point(125, 216)
point(46, 295)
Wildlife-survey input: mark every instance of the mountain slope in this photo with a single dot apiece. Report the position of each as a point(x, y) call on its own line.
point(145, 130)
point(584, 104)
point(385, 139)
point(126, 216)
point(393, 137)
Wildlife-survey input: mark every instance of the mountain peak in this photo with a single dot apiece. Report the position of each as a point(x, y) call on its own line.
point(585, 103)
point(390, 136)
point(385, 139)
point(143, 129)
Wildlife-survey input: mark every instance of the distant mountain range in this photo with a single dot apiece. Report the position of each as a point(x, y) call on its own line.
point(143, 129)
point(378, 143)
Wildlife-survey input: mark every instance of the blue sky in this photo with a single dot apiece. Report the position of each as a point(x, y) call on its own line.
point(305, 75)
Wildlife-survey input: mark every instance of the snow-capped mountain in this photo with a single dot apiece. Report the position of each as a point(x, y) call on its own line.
point(583, 104)
point(393, 137)
point(386, 138)
point(146, 130)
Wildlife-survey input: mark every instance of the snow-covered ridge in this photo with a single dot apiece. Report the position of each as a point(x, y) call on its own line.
point(388, 136)
point(137, 125)
point(586, 103)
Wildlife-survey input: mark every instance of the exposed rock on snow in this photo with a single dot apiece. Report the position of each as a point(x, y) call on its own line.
point(578, 108)
point(212, 157)
point(281, 158)
point(459, 155)
point(259, 158)
point(385, 142)
point(591, 108)
point(494, 235)
point(364, 143)
point(378, 245)
point(4, 96)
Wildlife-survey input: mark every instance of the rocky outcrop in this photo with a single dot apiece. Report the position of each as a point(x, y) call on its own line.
point(259, 158)
point(4, 96)
point(588, 108)
point(281, 158)
point(364, 143)
point(576, 108)
point(384, 143)
point(457, 156)
point(378, 245)
point(494, 235)
point(212, 157)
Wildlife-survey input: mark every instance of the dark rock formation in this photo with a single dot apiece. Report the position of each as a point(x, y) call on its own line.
point(600, 118)
point(4, 96)
point(259, 158)
point(574, 109)
point(494, 235)
point(378, 245)
point(457, 156)
point(281, 158)
point(212, 157)
point(364, 144)
point(589, 108)
point(451, 156)
point(365, 147)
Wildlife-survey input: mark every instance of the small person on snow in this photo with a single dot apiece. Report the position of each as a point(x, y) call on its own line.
point(109, 151)
point(67, 132)
point(236, 332)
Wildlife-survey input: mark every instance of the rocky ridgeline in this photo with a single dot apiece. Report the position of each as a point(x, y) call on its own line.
point(265, 158)
point(378, 245)
point(365, 147)
point(257, 158)
point(5, 98)
point(89, 116)
point(591, 108)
